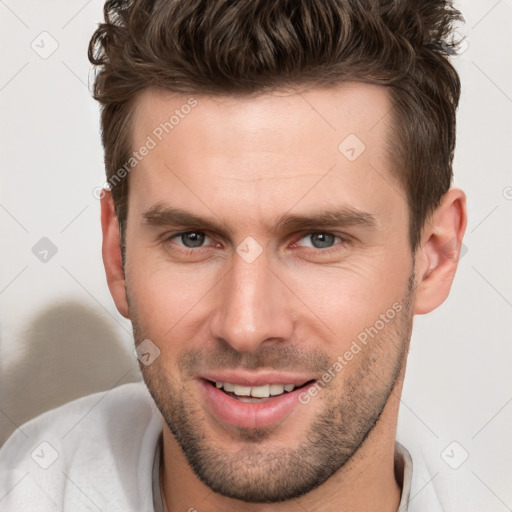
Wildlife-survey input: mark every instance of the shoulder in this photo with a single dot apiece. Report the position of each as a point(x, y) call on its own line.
point(82, 455)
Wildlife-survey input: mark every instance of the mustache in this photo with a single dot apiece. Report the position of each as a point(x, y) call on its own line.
point(289, 357)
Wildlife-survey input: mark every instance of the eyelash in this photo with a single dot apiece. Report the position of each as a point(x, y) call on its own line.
point(343, 240)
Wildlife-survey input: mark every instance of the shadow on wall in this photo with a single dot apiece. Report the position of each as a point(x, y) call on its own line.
point(69, 351)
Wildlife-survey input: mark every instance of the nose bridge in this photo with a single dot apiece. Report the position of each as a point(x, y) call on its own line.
point(252, 307)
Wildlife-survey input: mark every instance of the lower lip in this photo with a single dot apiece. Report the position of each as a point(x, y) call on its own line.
point(250, 414)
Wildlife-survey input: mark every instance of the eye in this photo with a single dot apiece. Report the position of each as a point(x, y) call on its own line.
point(190, 239)
point(320, 240)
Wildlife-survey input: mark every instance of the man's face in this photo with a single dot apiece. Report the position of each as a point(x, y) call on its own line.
point(255, 293)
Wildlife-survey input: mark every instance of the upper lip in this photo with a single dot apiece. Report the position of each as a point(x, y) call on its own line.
point(245, 378)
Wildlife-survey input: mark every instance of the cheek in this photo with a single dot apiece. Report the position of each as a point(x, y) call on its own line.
point(343, 301)
point(166, 297)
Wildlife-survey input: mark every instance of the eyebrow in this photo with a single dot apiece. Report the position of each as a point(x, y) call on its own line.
point(161, 215)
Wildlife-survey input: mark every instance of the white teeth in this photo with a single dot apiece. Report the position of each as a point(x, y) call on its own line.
point(276, 389)
point(263, 391)
point(242, 390)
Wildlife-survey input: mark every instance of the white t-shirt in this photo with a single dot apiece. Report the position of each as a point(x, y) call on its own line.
point(102, 453)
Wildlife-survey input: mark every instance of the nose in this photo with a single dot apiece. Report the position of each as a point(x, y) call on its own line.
point(254, 306)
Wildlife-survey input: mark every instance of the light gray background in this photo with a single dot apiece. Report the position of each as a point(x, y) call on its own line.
point(61, 336)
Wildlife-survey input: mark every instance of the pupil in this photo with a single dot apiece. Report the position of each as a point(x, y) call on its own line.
point(192, 239)
point(322, 240)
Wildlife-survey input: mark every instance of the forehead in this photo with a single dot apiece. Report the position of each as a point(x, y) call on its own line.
point(337, 111)
point(265, 151)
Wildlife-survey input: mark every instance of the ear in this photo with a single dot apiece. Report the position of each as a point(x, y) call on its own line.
point(438, 255)
point(111, 251)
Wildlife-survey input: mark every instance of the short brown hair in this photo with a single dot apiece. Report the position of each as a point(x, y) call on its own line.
point(247, 47)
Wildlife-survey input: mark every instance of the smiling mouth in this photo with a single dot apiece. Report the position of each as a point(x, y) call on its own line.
point(256, 394)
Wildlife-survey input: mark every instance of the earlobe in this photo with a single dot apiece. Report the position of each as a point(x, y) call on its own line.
point(111, 251)
point(438, 255)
